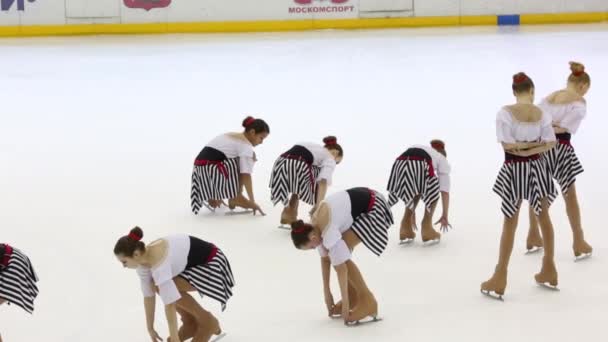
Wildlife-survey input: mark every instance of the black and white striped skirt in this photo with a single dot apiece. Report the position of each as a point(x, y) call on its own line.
point(524, 180)
point(18, 281)
point(563, 165)
point(411, 178)
point(214, 182)
point(213, 279)
point(293, 176)
point(372, 227)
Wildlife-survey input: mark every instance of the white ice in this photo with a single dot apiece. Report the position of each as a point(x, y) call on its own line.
point(98, 134)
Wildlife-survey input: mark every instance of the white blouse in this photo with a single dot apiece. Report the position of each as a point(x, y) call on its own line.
point(510, 130)
point(235, 148)
point(340, 220)
point(441, 166)
point(161, 275)
point(567, 115)
point(322, 159)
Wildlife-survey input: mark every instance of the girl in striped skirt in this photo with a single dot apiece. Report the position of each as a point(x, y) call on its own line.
point(567, 108)
point(342, 221)
point(224, 167)
point(421, 172)
point(173, 266)
point(525, 131)
point(17, 279)
point(304, 171)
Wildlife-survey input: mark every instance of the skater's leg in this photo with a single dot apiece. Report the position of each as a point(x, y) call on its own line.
point(548, 273)
point(189, 324)
point(207, 324)
point(407, 223)
point(427, 231)
point(579, 245)
point(366, 303)
point(498, 282)
point(2, 301)
point(352, 298)
point(534, 239)
point(351, 239)
point(290, 212)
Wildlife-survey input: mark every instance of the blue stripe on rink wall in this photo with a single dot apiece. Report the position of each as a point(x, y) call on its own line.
point(508, 19)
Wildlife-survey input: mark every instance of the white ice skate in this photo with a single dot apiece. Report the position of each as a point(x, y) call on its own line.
point(534, 250)
point(233, 212)
point(218, 337)
point(583, 257)
point(548, 286)
point(406, 242)
point(430, 243)
point(368, 319)
point(492, 295)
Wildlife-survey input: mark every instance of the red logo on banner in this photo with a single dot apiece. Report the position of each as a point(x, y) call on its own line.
point(147, 4)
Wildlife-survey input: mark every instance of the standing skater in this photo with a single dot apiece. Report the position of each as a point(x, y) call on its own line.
point(305, 172)
point(341, 222)
point(224, 167)
point(421, 172)
point(173, 266)
point(568, 108)
point(525, 131)
point(17, 279)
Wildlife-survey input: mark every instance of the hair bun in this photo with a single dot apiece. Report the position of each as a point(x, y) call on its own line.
point(248, 121)
point(330, 140)
point(297, 224)
point(136, 234)
point(519, 78)
point(436, 143)
point(577, 68)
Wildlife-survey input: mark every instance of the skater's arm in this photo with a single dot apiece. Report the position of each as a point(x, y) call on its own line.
point(445, 204)
point(171, 313)
point(342, 272)
point(325, 271)
point(321, 191)
point(246, 182)
point(559, 130)
point(515, 147)
point(536, 150)
point(150, 306)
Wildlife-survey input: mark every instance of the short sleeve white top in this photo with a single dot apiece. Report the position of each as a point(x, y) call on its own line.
point(322, 159)
point(340, 220)
point(233, 147)
point(510, 130)
point(568, 115)
point(161, 275)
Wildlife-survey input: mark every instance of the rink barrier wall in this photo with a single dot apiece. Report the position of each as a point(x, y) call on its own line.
point(298, 25)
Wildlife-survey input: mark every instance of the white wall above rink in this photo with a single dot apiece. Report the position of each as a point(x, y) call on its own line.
point(55, 12)
point(92, 8)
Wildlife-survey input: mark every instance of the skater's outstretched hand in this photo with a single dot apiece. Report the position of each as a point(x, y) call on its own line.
point(154, 335)
point(445, 224)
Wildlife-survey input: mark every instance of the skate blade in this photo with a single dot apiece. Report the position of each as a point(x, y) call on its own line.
point(548, 286)
point(534, 250)
point(406, 242)
point(583, 257)
point(238, 212)
point(211, 209)
point(430, 243)
point(492, 295)
point(284, 226)
point(363, 321)
point(218, 337)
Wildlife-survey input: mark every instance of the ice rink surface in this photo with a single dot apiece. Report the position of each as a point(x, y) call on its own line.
point(98, 134)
